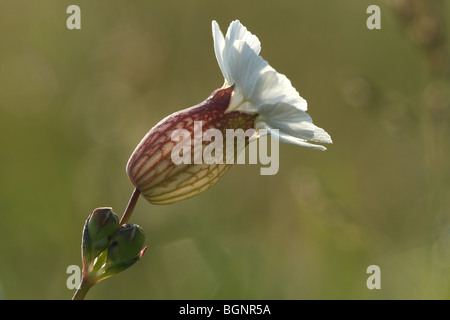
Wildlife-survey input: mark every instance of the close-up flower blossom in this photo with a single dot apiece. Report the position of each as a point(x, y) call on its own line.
point(254, 95)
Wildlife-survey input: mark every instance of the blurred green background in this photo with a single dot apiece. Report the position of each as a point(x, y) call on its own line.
point(75, 103)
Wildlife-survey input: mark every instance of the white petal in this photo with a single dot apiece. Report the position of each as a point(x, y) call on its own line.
point(245, 68)
point(285, 138)
point(254, 79)
point(237, 32)
point(224, 47)
point(295, 126)
point(219, 47)
point(292, 121)
point(273, 87)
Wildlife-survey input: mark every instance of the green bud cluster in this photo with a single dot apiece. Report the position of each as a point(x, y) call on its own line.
point(107, 247)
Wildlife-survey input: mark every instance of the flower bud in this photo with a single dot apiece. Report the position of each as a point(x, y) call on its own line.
point(126, 243)
point(125, 249)
point(151, 168)
point(100, 226)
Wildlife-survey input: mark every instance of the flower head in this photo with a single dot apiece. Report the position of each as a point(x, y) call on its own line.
point(101, 224)
point(259, 89)
point(254, 96)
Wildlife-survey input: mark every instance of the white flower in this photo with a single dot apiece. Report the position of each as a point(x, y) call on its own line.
point(259, 88)
point(255, 96)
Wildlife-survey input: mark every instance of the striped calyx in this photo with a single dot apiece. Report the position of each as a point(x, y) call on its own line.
point(151, 168)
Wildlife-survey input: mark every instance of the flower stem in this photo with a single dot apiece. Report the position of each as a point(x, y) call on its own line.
point(130, 207)
point(83, 289)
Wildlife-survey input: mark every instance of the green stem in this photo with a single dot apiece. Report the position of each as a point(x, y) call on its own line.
point(83, 289)
point(130, 207)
